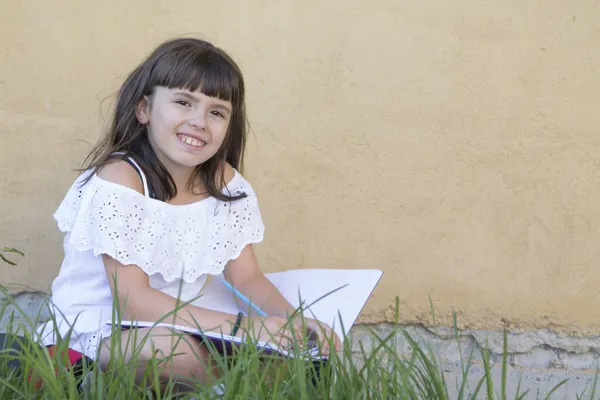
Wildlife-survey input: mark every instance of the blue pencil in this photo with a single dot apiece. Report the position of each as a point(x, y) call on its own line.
point(243, 298)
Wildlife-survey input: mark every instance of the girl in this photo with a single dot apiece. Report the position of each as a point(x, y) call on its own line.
point(160, 205)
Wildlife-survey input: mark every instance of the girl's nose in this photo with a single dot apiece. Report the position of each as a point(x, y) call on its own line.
point(197, 122)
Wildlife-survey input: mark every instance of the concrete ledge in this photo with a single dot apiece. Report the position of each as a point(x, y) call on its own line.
point(537, 361)
point(23, 308)
point(536, 349)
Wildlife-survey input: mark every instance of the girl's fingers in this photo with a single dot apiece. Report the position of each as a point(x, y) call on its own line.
point(299, 335)
point(327, 339)
point(287, 337)
point(325, 346)
point(287, 341)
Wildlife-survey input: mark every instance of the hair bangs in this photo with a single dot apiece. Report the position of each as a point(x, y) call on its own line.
point(206, 71)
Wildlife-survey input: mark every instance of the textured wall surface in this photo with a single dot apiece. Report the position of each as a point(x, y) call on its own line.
point(453, 144)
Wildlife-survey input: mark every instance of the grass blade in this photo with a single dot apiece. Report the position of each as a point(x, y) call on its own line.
point(433, 372)
point(594, 386)
point(556, 388)
point(488, 373)
point(477, 388)
point(504, 365)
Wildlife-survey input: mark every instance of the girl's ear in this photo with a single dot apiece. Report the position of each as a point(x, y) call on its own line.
point(142, 110)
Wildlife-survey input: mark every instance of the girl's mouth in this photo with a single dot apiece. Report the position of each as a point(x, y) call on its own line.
point(191, 141)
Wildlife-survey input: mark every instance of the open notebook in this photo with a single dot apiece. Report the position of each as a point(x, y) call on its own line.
point(333, 296)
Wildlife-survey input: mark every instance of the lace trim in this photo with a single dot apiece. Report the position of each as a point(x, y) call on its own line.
point(176, 241)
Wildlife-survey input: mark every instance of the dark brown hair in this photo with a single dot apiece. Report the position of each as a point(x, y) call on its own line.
point(183, 63)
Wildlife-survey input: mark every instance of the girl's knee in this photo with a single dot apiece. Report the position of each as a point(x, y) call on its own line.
point(180, 354)
point(167, 342)
point(162, 345)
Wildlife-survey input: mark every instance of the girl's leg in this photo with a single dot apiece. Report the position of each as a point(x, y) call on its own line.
point(181, 356)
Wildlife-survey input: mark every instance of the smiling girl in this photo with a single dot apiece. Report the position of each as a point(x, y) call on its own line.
point(159, 206)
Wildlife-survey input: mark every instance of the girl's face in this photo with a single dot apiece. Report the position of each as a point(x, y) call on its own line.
point(184, 128)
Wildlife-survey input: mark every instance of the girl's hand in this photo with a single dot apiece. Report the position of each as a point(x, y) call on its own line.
point(275, 330)
point(280, 331)
point(323, 333)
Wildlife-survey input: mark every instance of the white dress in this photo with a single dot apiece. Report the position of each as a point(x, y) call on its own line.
point(176, 245)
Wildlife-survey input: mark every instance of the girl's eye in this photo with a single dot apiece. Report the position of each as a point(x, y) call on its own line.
point(184, 103)
point(218, 114)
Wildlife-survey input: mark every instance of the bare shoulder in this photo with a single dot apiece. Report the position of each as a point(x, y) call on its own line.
point(228, 172)
point(121, 173)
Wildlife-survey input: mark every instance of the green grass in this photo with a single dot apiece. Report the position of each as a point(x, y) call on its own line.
point(378, 372)
point(5, 251)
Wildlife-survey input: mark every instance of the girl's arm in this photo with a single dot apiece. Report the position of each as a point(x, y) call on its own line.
point(245, 275)
point(139, 301)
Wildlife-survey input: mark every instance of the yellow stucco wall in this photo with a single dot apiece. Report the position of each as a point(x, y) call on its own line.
point(452, 143)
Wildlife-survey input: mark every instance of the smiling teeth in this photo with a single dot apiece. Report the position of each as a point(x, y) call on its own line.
point(191, 141)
